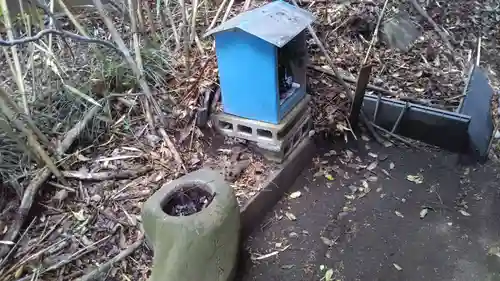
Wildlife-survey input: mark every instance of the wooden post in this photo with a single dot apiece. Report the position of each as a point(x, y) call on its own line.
point(359, 94)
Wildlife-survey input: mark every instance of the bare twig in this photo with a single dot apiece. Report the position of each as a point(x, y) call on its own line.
point(353, 81)
point(96, 273)
point(71, 258)
point(398, 137)
point(40, 178)
point(478, 55)
point(375, 32)
point(2, 263)
point(101, 176)
point(172, 148)
point(46, 32)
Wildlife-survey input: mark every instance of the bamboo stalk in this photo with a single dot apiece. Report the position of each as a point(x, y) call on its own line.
point(170, 17)
point(32, 140)
point(18, 74)
point(228, 10)
point(185, 35)
point(217, 14)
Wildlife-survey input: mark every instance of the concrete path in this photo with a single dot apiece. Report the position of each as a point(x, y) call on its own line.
point(377, 233)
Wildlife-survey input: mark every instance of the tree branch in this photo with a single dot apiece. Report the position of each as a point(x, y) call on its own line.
point(71, 35)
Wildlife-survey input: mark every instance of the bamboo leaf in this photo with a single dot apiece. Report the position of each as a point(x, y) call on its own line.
point(82, 95)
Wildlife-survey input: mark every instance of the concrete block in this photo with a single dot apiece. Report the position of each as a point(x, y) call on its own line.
point(196, 241)
point(279, 152)
point(261, 132)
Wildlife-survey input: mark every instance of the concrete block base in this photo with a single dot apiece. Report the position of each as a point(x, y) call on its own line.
point(275, 142)
point(257, 131)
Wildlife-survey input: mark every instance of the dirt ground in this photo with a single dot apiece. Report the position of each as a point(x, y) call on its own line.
point(427, 218)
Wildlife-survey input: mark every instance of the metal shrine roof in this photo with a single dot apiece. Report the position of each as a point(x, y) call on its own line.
point(277, 22)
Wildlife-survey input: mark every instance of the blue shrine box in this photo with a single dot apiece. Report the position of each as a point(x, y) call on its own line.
point(262, 60)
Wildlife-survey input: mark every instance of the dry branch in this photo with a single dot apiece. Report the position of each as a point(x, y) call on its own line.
point(33, 142)
point(78, 254)
point(111, 175)
point(375, 32)
point(46, 32)
point(18, 75)
point(96, 274)
point(172, 148)
point(353, 81)
point(396, 136)
point(39, 180)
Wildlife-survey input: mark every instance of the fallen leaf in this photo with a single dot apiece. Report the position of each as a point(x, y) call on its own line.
point(372, 155)
point(60, 195)
point(464, 213)
point(290, 216)
point(399, 214)
point(327, 241)
point(494, 251)
point(318, 173)
point(4, 242)
point(329, 275)
point(423, 213)
point(295, 195)
point(372, 166)
point(383, 157)
point(372, 178)
point(353, 188)
point(365, 138)
point(399, 268)
point(271, 254)
point(79, 215)
point(350, 197)
point(417, 179)
point(322, 267)
point(19, 272)
point(364, 183)
point(385, 172)
point(392, 165)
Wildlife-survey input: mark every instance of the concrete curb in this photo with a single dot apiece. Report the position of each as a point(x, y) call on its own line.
point(254, 211)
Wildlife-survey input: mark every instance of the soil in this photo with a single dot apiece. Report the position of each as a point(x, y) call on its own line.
point(444, 228)
point(187, 201)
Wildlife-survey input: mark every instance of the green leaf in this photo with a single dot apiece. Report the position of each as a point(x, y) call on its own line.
point(329, 275)
point(329, 177)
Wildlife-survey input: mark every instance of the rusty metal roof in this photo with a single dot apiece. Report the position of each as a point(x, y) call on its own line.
point(277, 22)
